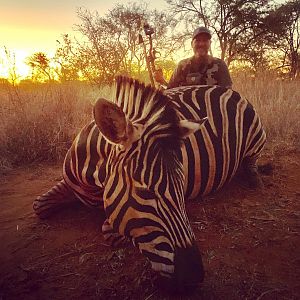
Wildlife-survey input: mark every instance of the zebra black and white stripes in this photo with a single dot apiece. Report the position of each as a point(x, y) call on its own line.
point(233, 131)
point(55, 199)
point(148, 151)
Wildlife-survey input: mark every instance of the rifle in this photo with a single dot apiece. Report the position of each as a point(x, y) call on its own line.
point(151, 55)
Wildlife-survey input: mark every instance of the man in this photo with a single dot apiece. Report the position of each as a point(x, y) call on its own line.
point(200, 68)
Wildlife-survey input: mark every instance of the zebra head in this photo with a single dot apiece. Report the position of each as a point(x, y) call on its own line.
point(144, 187)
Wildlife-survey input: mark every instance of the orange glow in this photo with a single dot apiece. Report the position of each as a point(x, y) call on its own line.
point(31, 26)
point(22, 43)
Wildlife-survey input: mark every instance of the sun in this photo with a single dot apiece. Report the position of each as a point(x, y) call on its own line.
point(12, 63)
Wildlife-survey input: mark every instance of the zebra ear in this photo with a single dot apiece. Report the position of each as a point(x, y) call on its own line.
point(190, 126)
point(111, 121)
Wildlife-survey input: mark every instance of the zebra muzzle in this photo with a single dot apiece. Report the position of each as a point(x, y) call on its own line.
point(189, 271)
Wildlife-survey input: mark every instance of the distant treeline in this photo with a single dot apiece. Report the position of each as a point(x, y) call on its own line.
point(250, 35)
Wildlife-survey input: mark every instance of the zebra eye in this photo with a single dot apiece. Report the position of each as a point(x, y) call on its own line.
point(145, 193)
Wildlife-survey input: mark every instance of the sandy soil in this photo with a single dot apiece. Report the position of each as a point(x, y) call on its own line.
point(249, 241)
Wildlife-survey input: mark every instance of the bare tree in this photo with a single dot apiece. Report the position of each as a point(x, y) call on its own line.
point(98, 58)
point(287, 30)
point(111, 43)
point(125, 23)
point(65, 57)
point(235, 23)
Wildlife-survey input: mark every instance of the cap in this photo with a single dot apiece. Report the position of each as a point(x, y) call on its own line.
point(199, 30)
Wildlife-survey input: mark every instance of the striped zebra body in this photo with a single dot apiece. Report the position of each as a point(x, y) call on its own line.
point(84, 168)
point(54, 200)
point(233, 132)
point(211, 156)
point(147, 152)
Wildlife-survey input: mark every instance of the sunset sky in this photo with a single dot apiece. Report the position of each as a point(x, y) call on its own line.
point(29, 26)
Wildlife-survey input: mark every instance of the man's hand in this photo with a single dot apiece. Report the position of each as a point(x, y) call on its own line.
point(159, 77)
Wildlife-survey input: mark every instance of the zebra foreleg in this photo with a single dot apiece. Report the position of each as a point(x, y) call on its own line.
point(114, 239)
point(252, 176)
point(56, 198)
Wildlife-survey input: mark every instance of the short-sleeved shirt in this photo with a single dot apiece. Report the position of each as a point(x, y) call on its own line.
point(190, 72)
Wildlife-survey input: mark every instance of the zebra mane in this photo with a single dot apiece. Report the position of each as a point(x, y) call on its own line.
point(144, 104)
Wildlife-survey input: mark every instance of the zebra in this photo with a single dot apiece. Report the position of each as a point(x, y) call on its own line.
point(145, 153)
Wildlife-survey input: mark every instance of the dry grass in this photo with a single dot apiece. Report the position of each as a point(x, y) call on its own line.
point(39, 122)
point(278, 104)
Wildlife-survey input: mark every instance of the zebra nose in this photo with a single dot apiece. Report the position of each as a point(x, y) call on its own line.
point(189, 270)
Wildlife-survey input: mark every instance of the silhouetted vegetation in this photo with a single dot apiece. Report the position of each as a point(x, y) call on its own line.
point(251, 32)
point(250, 35)
point(41, 114)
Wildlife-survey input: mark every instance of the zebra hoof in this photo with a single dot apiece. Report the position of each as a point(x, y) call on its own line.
point(44, 209)
point(42, 212)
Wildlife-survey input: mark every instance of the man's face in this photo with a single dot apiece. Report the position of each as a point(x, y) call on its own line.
point(201, 45)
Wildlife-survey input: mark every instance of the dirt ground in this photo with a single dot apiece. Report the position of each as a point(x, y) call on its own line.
point(249, 241)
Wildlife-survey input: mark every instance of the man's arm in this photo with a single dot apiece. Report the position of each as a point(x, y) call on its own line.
point(159, 77)
point(176, 79)
point(224, 76)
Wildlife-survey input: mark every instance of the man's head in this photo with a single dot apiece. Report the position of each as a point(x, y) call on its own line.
point(201, 41)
